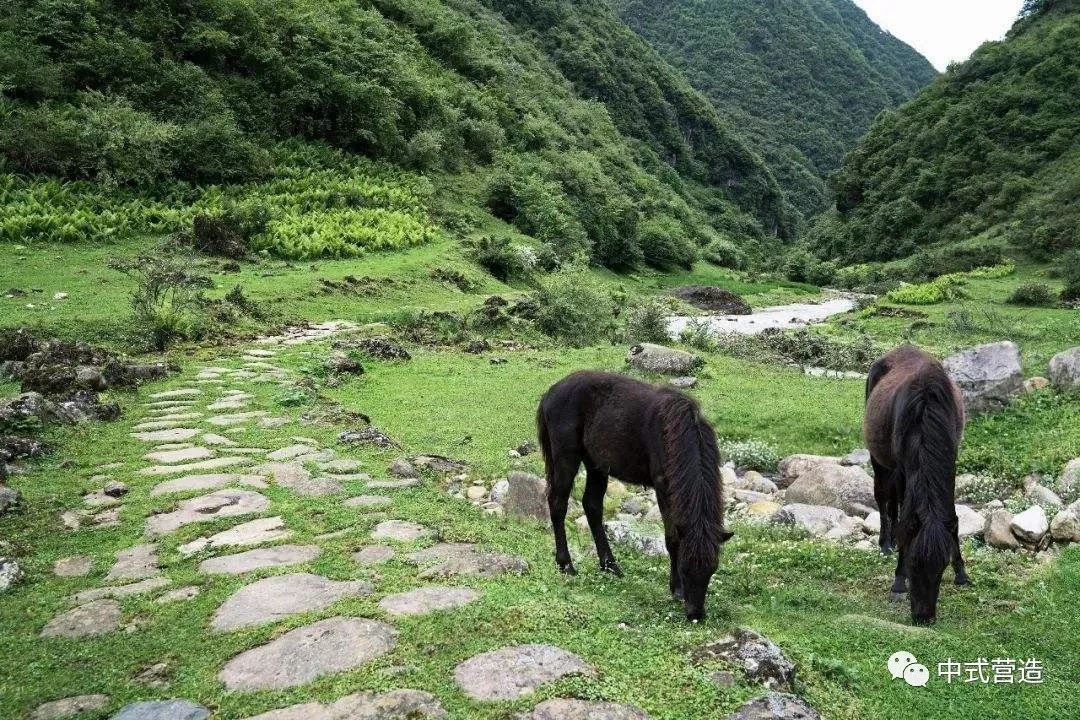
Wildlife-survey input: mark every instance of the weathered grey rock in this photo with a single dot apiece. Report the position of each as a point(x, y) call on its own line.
point(512, 672)
point(270, 599)
point(172, 394)
point(217, 440)
point(69, 707)
point(1030, 526)
point(1069, 482)
point(219, 504)
point(753, 480)
point(341, 465)
point(846, 487)
point(290, 452)
point(402, 468)
point(300, 480)
point(428, 599)
point(393, 483)
point(816, 519)
point(775, 706)
point(998, 532)
point(1040, 494)
point(499, 491)
point(791, 467)
point(970, 523)
point(253, 532)
point(858, 456)
point(178, 595)
point(211, 464)
point(847, 528)
point(96, 618)
point(240, 563)
point(871, 524)
point(367, 501)
point(304, 654)
point(163, 710)
point(685, 382)
point(99, 499)
point(1065, 527)
point(10, 573)
point(115, 489)
point(646, 538)
point(171, 457)
point(391, 705)
point(648, 357)
point(989, 375)
point(136, 563)
point(445, 560)
point(400, 531)
point(121, 591)
point(573, 709)
point(10, 499)
point(526, 496)
point(210, 481)
point(759, 657)
point(1065, 370)
point(75, 566)
point(176, 434)
point(235, 419)
point(373, 554)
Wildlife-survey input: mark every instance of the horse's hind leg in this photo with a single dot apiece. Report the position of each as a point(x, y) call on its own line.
point(899, 586)
point(959, 570)
point(560, 481)
point(885, 496)
point(592, 502)
point(671, 540)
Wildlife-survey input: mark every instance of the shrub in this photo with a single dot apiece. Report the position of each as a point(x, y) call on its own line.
point(797, 264)
point(859, 276)
point(822, 273)
point(802, 347)
point(750, 454)
point(698, 335)
point(929, 264)
point(1035, 294)
point(724, 253)
point(425, 150)
point(501, 258)
point(168, 300)
point(647, 321)
point(946, 287)
point(664, 244)
point(1070, 273)
point(575, 308)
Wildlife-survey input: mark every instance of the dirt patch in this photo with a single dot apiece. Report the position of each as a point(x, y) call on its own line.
point(712, 299)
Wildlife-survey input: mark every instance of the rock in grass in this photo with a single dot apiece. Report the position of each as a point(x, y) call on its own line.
point(647, 538)
point(761, 659)
point(815, 519)
point(970, 523)
point(526, 496)
point(96, 618)
point(163, 710)
point(1065, 370)
point(998, 533)
point(10, 500)
point(989, 375)
point(573, 709)
point(10, 573)
point(776, 706)
point(488, 677)
point(1030, 526)
point(1068, 483)
point(1066, 525)
point(846, 487)
point(244, 562)
point(427, 600)
point(648, 357)
point(273, 598)
point(391, 705)
point(69, 707)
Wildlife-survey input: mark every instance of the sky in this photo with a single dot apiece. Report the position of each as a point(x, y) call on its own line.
point(944, 31)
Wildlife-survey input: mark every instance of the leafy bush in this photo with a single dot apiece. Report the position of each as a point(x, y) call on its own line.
point(665, 245)
point(575, 308)
point(724, 253)
point(750, 454)
point(500, 257)
point(646, 321)
point(932, 263)
point(946, 287)
point(1035, 294)
point(803, 348)
point(168, 300)
point(859, 276)
point(698, 335)
point(1070, 273)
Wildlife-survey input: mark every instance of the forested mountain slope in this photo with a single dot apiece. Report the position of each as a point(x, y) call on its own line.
point(801, 79)
point(586, 139)
point(992, 147)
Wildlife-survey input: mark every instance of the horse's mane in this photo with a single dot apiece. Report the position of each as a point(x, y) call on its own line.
point(693, 476)
point(925, 444)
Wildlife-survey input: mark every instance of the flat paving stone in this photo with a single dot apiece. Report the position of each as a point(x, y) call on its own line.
point(273, 422)
point(394, 483)
point(400, 530)
point(235, 418)
point(69, 707)
point(176, 417)
point(464, 560)
point(158, 404)
point(157, 426)
point(427, 600)
point(511, 672)
point(169, 457)
point(176, 709)
point(219, 504)
point(368, 501)
point(211, 464)
point(179, 594)
point(306, 653)
point(390, 705)
point(574, 709)
point(290, 452)
point(237, 404)
point(280, 556)
point(120, 591)
point(136, 563)
point(211, 481)
point(270, 599)
point(95, 618)
point(178, 393)
point(341, 465)
point(179, 434)
point(373, 555)
point(255, 532)
point(74, 566)
point(99, 499)
point(300, 480)
point(215, 439)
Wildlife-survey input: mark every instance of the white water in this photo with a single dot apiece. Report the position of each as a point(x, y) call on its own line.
point(778, 316)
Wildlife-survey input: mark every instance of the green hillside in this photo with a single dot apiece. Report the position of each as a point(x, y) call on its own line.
point(802, 79)
point(991, 148)
point(584, 140)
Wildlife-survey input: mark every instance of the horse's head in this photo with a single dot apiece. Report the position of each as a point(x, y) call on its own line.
point(926, 559)
point(695, 570)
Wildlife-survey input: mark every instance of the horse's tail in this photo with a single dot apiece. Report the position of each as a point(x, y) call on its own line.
point(693, 477)
point(925, 445)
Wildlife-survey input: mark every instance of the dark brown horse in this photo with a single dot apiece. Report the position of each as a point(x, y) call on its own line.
point(913, 426)
point(641, 435)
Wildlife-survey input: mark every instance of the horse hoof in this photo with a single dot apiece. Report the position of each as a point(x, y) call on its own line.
point(962, 580)
point(677, 594)
point(612, 567)
point(568, 569)
point(887, 549)
point(897, 597)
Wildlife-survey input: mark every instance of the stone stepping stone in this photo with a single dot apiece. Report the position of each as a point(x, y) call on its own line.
point(512, 672)
point(290, 452)
point(394, 483)
point(255, 532)
point(342, 465)
point(573, 709)
point(159, 412)
point(212, 481)
point(175, 434)
point(220, 440)
point(96, 618)
point(400, 530)
point(177, 417)
point(314, 458)
point(220, 405)
point(427, 600)
point(273, 422)
point(211, 464)
point(120, 591)
point(306, 653)
point(446, 560)
point(162, 710)
point(98, 499)
point(179, 594)
point(172, 446)
point(391, 705)
point(69, 707)
point(248, 450)
point(219, 504)
point(368, 501)
point(158, 404)
point(298, 479)
point(74, 566)
point(273, 598)
point(180, 393)
point(236, 418)
point(373, 555)
point(160, 425)
point(170, 457)
point(136, 563)
point(280, 556)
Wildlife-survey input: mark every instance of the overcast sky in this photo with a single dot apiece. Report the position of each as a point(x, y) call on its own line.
point(944, 31)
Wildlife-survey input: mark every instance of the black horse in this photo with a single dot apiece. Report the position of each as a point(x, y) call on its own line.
point(913, 425)
point(641, 435)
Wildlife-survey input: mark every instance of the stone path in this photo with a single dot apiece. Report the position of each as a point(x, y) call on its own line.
point(268, 600)
point(280, 556)
point(511, 672)
point(428, 599)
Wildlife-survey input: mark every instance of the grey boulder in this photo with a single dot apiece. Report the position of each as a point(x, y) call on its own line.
point(989, 375)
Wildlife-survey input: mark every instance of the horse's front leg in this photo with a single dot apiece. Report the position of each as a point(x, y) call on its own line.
point(592, 502)
point(885, 496)
point(899, 586)
point(671, 540)
point(560, 483)
point(959, 570)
